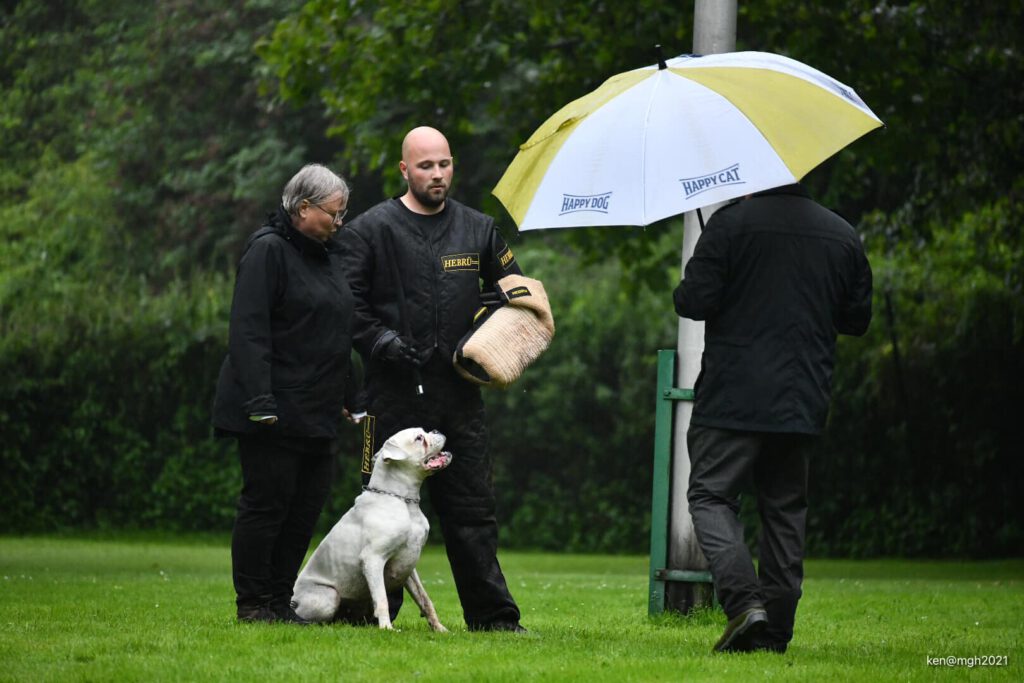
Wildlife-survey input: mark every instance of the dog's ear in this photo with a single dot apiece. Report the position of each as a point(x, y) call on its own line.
point(392, 451)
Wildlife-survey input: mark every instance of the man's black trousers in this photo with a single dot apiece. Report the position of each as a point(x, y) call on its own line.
point(285, 483)
point(724, 463)
point(462, 494)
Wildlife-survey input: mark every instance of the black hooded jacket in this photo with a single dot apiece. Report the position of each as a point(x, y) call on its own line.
point(441, 260)
point(775, 277)
point(290, 336)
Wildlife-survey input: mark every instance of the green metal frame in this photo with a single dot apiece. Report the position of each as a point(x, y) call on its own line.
point(660, 497)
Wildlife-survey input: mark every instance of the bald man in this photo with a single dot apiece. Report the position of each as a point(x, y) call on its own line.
point(416, 264)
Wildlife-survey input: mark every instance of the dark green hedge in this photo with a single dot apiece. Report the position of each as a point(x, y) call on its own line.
point(107, 385)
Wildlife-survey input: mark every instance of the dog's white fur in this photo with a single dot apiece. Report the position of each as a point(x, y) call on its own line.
point(374, 547)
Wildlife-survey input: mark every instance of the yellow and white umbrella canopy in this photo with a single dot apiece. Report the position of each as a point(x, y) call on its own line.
point(665, 139)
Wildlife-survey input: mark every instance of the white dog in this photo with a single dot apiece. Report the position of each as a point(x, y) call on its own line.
point(374, 547)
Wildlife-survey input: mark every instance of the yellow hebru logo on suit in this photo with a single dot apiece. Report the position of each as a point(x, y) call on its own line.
point(461, 262)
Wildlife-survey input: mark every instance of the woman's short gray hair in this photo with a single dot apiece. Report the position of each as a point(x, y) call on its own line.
point(315, 183)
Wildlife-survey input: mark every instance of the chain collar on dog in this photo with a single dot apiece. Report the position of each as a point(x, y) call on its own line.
point(414, 501)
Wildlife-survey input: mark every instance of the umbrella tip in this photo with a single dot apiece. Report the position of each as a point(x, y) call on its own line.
point(661, 57)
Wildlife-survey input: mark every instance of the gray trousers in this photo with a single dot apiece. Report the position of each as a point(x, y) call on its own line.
point(723, 464)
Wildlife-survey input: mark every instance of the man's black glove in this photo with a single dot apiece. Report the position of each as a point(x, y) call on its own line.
point(398, 352)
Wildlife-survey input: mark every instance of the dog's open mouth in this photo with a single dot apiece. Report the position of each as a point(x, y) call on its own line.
point(438, 462)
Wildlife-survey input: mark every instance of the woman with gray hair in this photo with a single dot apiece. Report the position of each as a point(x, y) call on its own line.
point(284, 387)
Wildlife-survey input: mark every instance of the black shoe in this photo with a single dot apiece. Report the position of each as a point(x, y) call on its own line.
point(288, 616)
point(284, 610)
point(742, 631)
point(509, 626)
point(257, 614)
point(765, 644)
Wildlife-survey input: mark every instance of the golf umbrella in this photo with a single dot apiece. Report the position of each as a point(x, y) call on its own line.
point(672, 137)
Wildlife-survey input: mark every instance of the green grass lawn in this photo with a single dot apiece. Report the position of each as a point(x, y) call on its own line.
point(152, 609)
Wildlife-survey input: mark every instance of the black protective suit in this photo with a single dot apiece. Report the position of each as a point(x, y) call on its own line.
point(775, 277)
point(442, 260)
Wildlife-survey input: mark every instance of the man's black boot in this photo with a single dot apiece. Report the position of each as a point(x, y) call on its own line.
point(743, 630)
point(767, 644)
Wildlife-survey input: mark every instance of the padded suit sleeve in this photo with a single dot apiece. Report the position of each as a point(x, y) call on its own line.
point(499, 260)
point(357, 258)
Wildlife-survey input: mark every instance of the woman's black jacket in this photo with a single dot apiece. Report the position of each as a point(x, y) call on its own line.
point(289, 337)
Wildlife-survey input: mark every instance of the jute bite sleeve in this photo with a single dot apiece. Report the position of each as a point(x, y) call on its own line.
point(506, 340)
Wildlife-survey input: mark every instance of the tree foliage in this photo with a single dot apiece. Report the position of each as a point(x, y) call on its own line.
point(923, 423)
point(165, 96)
point(486, 73)
point(939, 73)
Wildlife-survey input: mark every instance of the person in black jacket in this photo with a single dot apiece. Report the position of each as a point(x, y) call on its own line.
point(415, 264)
point(775, 276)
point(282, 387)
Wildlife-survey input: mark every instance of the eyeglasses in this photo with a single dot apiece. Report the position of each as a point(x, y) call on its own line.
point(337, 217)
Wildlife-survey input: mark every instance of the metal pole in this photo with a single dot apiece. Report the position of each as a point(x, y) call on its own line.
point(714, 31)
point(714, 26)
